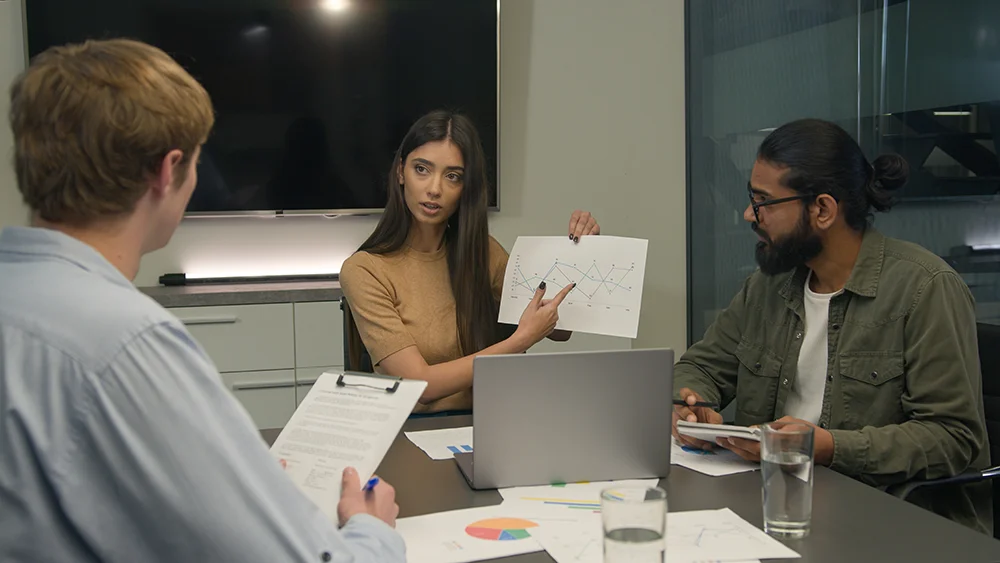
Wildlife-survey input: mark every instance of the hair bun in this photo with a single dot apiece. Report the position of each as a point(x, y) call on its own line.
point(891, 173)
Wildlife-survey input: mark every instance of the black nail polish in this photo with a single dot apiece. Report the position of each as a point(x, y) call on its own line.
point(541, 285)
point(576, 239)
point(571, 237)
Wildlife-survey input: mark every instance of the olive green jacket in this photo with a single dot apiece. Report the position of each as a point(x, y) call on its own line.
point(903, 397)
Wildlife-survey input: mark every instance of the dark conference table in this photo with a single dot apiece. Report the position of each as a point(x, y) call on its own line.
point(852, 522)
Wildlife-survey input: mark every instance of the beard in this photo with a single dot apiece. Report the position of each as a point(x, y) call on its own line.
point(789, 252)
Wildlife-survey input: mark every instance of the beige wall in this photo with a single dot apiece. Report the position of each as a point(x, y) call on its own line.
point(592, 102)
point(12, 211)
point(592, 117)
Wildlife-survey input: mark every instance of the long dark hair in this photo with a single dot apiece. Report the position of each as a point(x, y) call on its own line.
point(822, 157)
point(467, 238)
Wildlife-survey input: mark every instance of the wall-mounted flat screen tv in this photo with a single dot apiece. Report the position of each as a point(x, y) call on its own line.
point(312, 96)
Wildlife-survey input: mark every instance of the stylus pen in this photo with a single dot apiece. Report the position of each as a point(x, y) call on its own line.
point(682, 403)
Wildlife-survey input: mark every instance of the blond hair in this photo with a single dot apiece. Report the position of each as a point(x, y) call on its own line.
point(92, 123)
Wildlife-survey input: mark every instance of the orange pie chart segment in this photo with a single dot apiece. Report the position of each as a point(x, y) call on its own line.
point(501, 529)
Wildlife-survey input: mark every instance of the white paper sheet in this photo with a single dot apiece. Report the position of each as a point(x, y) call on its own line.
point(443, 443)
point(716, 462)
point(338, 427)
point(576, 497)
point(609, 272)
point(475, 534)
point(719, 535)
point(580, 542)
point(701, 536)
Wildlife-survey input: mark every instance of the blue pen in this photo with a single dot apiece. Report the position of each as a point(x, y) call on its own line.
point(370, 484)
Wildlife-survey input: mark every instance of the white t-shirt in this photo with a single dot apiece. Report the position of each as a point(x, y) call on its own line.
point(805, 401)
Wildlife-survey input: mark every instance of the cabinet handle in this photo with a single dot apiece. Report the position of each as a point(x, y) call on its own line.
point(271, 385)
point(220, 320)
point(307, 381)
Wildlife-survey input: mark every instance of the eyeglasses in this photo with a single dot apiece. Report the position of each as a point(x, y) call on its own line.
point(756, 205)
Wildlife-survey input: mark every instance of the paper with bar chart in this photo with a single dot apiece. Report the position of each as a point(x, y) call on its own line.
point(576, 497)
point(443, 443)
point(608, 271)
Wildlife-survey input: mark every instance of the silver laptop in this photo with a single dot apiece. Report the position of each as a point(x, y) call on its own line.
point(567, 417)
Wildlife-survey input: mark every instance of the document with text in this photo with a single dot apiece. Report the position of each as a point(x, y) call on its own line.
point(340, 425)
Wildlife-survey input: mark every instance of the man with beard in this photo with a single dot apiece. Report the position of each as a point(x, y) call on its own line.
point(869, 340)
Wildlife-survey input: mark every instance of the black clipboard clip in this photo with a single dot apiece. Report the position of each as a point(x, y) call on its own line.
point(391, 389)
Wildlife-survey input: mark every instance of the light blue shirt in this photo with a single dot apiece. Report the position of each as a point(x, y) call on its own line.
point(118, 441)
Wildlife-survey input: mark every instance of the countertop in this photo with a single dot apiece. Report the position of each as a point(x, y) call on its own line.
point(205, 295)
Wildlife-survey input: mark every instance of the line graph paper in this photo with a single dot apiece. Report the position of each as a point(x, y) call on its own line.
point(591, 283)
point(608, 271)
point(702, 536)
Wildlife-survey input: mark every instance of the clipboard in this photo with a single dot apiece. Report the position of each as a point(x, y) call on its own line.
point(346, 419)
point(388, 383)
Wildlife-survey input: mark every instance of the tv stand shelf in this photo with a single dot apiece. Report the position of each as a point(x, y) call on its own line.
point(204, 295)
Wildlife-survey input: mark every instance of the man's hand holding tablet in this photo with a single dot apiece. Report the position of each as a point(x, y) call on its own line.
point(691, 413)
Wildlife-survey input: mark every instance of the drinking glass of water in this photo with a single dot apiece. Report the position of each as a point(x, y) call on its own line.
point(635, 524)
point(786, 462)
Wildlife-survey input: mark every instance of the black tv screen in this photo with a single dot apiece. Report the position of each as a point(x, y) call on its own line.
point(312, 96)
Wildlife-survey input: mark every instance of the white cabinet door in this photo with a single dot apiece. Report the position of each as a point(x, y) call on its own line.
point(319, 334)
point(243, 337)
point(305, 377)
point(269, 396)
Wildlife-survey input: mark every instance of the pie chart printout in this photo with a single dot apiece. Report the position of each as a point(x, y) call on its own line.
point(501, 529)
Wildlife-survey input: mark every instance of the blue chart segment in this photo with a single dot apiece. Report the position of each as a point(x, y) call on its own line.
point(608, 273)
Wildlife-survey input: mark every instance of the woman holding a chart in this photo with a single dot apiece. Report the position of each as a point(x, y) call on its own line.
point(424, 289)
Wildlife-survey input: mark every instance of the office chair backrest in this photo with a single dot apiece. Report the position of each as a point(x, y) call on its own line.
point(989, 362)
point(356, 357)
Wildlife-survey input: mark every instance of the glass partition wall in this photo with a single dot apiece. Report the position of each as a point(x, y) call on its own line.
point(917, 77)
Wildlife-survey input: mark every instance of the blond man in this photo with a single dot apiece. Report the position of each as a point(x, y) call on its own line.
point(118, 441)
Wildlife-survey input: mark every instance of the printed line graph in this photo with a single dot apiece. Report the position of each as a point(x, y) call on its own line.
point(710, 535)
point(697, 536)
point(707, 534)
point(556, 275)
point(608, 273)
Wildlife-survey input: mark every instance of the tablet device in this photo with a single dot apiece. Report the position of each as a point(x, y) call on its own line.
point(710, 432)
